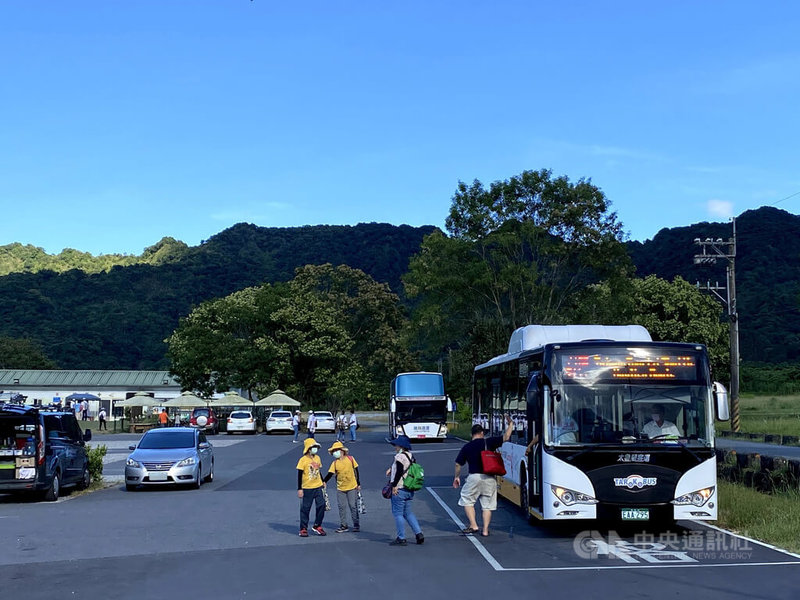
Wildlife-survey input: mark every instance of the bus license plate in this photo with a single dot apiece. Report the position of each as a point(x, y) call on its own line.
point(635, 514)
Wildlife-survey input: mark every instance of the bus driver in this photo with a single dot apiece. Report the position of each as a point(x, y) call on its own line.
point(658, 427)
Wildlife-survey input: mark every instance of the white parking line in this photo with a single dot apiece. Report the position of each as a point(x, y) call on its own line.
point(596, 567)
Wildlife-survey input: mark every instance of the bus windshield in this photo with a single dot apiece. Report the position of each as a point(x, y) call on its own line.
point(419, 384)
point(419, 411)
point(628, 395)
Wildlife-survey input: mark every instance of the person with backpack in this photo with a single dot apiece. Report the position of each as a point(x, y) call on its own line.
point(404, 481)
point(348, 484)
point(478, 485)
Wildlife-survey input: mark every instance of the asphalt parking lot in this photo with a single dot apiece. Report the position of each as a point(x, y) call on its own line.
point(237, 537)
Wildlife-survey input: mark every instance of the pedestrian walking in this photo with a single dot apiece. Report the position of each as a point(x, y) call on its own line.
point(163, 418)
point(84, 410)
point(101, 416)
point(309, 487)
point(353, 424)
point(345, 468)
point(478, 485)
point(341, 426)
point(312, 424)
point(296, 425)
point(402, 510)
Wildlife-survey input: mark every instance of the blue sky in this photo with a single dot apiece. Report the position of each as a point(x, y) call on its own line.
point(124, 121)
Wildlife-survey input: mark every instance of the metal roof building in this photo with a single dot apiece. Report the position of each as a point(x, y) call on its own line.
point(45, 385)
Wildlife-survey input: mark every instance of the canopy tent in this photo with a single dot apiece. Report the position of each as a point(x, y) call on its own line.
point(277, 398)
point(139, 399)
point(81, 396)
point(186, 400)
point(231, 399)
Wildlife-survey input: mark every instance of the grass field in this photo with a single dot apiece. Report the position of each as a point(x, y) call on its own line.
point(778, 415)
point(774, 519)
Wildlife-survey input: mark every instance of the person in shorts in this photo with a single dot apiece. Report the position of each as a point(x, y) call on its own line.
point(478, 486)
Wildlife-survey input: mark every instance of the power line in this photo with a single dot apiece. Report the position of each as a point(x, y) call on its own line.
point(787, 197)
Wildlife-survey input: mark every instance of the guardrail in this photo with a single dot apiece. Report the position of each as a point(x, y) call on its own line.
point(767, 474)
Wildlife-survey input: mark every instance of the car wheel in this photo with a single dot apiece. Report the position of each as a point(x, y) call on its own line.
point(51, 495)
point(210, 476)
point(86, 478)
point(199, 478)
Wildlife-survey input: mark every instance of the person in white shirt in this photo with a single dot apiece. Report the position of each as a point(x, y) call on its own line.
point(311, 426)
point(353, 422)
point(658, 427)
point(296, 425)
point(565, 429)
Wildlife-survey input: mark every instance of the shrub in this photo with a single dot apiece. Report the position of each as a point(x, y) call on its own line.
point(96, 455)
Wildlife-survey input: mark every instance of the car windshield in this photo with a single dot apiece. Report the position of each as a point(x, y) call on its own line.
point(241, 415)
point(281, 415)
point(165, 440)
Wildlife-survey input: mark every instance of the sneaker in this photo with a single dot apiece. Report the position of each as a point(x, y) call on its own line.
point(356, 529)
point(304, 533)
point(398, 542)
point(420, 538)
point(318, 530)
point(342, 529)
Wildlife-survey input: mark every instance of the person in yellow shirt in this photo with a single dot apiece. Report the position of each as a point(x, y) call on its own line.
point(309, 487)
point(348, 484)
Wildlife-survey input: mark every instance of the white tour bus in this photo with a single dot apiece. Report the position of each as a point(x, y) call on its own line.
point(418, 406)
point(625, 425)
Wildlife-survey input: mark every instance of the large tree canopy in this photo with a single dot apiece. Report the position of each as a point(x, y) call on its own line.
point(330, 337)
point(519, 253)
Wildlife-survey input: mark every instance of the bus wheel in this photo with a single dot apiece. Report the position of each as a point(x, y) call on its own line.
point(524, 500)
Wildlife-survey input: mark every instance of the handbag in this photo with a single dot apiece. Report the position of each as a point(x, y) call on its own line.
point(361, 508)
point(386, 492)
point(492, 462)
point(327, 500)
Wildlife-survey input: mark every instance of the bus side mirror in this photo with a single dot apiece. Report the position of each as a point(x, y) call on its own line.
point(721, 402)
point(451, 406)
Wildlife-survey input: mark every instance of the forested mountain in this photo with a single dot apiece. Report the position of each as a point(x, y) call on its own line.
point(87, 317)
point(767, 275)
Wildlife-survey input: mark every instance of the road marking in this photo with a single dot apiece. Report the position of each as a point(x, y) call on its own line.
point(480, 547)
point(597, 567)
point(744, 537)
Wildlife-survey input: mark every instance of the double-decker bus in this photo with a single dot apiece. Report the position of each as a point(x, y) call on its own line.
point(418, 406)
point(625, 425)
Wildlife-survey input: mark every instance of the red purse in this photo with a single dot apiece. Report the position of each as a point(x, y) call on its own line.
point(492, 462)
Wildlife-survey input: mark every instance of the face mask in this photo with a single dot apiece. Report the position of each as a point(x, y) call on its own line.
point(337, 454)
point(656, 417)
point(314, 450)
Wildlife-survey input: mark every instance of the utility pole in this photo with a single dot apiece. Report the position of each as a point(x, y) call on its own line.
point(713, 249)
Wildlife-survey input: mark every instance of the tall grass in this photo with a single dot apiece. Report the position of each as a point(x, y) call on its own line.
point(770, 518)
point(778, 415)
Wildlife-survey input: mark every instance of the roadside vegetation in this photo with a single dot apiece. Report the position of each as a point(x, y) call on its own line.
point(770, 518)
point(779, 415)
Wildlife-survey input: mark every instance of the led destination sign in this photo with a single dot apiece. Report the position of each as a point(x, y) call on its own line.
point(629, 366)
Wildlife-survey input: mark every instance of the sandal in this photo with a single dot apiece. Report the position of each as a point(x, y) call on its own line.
point(485, 534)
point(469, 530)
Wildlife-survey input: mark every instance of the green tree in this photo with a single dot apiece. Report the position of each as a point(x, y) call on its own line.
point(519, 253)
point(229, 343)
point(23, 354)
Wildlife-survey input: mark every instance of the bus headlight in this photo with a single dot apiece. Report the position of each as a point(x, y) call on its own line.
point(570, 497)
point(698, 498)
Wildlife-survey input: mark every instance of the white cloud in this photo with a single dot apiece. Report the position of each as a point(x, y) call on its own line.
point(720, 208)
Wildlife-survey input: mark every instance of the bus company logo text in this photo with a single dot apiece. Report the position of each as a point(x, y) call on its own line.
point(635, 482)
point(634, 458)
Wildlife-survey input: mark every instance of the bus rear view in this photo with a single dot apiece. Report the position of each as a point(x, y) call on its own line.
point(418, 406)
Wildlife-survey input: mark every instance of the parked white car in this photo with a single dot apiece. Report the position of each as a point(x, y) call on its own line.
point(325, 421)
point(241, 421)
point(279, 420)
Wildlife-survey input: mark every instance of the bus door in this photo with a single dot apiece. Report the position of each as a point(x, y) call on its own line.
point(534, 406)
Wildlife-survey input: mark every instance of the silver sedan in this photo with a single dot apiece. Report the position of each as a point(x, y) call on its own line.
point(170, 455)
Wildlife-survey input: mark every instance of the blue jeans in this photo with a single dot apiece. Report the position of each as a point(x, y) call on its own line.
point(352, 433)
point(296, 431)
point(402, 512)
point(309, 497)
